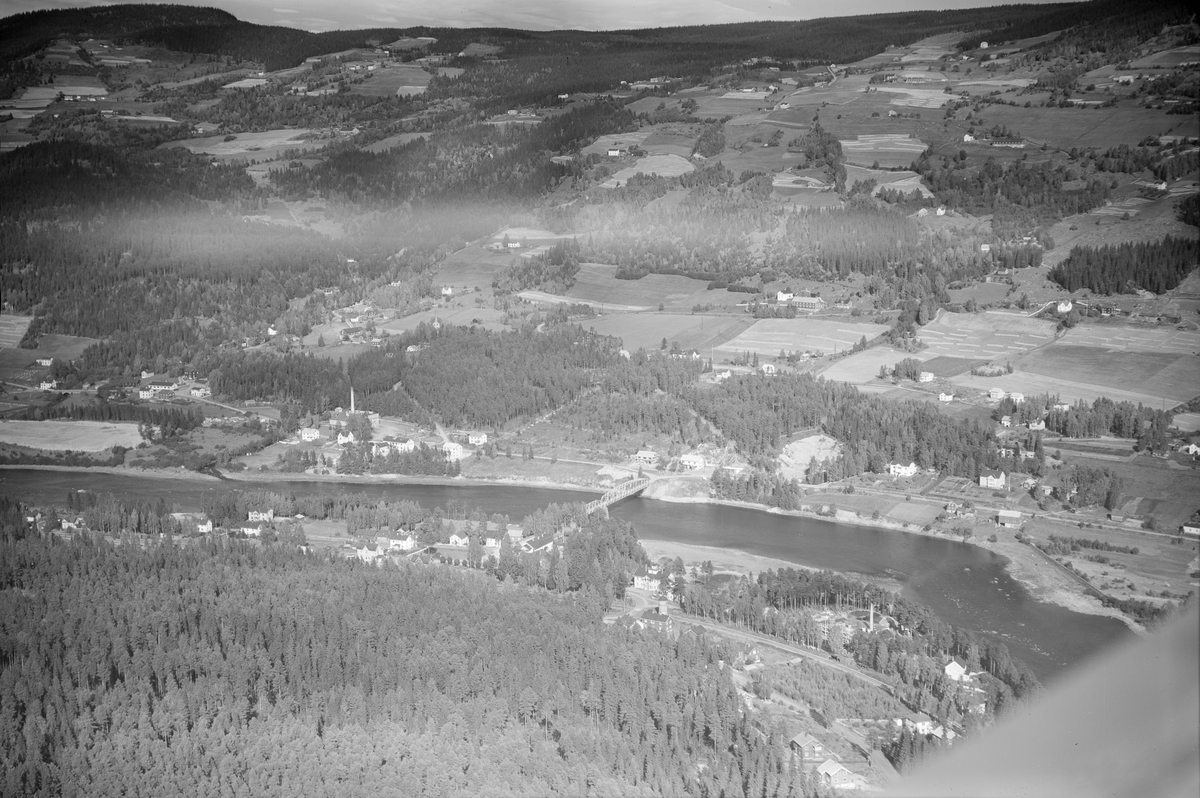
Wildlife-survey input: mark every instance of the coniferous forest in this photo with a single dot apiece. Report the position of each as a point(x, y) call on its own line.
point(228, 670)
point(1156, 266)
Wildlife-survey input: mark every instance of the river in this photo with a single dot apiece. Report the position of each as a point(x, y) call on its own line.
point(964, 585)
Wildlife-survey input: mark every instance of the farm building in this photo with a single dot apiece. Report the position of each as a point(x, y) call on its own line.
point(1016, 397)
point(49, 385)
point(692, 462)
point(45, 361)
point(784, 296)
point(997, 480)
point(1191, 530)
point(900, 470)
point(345, 437)
point(1017, 144)
point(996, 394)
point(1009, 519)
point(808, 302)
point(1037, 425)
point(945, 397)
point(925, 376)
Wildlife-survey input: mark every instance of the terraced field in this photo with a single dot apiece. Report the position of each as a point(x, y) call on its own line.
point(984, 336)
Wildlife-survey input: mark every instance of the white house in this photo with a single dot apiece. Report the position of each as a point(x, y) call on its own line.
point(646, 457)
point(145, 393)
point(452, 450)
point(45, 361)
point(967, 137)
point(1065, 306)
point(768, 369)
point(834, 774)
point(925, 376)
point(900, 470)
point(996, 394)
point(955, 670)
point(310, 434)
point(252, 531)
point(945, 397)
point(459, 540)
point(941, 211)
point(201, 391)
point(1017, 397)
point(406, 446)
point(49, 385)
point(261, 515)
point(1006, 421)
point(477, 438)
point(784, 296)
point(692, 462)
point(1036, 425)
point(645, 580)
point(447, 291)
point(997, 480)
point(345, 437)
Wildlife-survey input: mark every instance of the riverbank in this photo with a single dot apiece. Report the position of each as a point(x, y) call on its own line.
point(404, 479)
point(1042, 581)
point(149, 473)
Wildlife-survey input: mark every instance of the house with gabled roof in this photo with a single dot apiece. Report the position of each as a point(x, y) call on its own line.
point(996, 480)
point(807, 746)
point(834, 774)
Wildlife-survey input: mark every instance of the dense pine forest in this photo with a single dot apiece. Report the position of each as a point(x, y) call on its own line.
point(1157, 266)
point(223, 669)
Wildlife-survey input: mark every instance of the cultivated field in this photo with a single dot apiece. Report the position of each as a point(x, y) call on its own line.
point(1187, 422)
point(984, 336)
point(770, 336)
point(647, 330)
point(1134, 339)
point(663, 165)
point(12, 329)
point(914, 97)
point(399, 79)
point(982, 293)
point(1088, 127)
point(888, 149)
point(1161, 375)
point(266, 144)
point(77, 436)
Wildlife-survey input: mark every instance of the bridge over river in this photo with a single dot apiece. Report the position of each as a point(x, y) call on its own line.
point(614, 495)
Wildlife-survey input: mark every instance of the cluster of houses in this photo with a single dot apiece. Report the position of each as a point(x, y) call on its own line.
point(656, 619)
point(457, 544)
point(810, 303)
point(829, 772)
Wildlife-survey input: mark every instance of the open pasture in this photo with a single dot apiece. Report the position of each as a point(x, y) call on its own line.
point(392, 80)
point(76, 436)
point(770, 336)
point(982, 293)
point(996, 83)
point(662, 165)
point(472, 267)
point(603, 144)
point(862, 368)
point(663, 143)
point(1088, 127)
point(943, 366)
point(1168, 59)
point(1070, 391)
point(647, 330)
point(984, 336)
point(488, 318)
point(760, 159)
point(597, 283)
point(1186, 422)
point(266, 144)
point(886, 149)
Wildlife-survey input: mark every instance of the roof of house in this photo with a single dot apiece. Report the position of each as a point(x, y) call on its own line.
point(831, 766)
point(993, 474)
point(804, 738)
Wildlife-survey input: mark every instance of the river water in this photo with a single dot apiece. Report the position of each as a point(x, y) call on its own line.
point(964, 585)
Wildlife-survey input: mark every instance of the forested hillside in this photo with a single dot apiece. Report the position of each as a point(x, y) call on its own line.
point(1123, 269)
point(221, 669)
